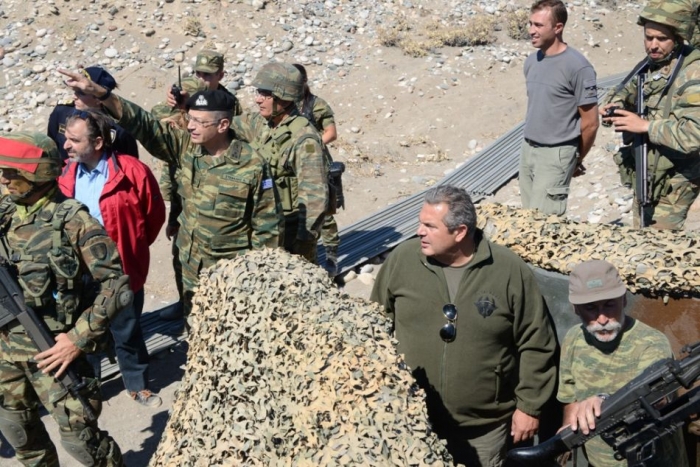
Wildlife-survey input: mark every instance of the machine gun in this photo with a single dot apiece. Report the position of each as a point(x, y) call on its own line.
point(641, 160)
point(12, 307)
point(634, 418)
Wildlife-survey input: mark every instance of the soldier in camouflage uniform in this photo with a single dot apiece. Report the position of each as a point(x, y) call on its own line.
point(229, 201)
point(175, 117)
point(209, 68)
point(319, 113)
point(602, 354)
point(672, 100)
point(294, 150)
point(63, 257)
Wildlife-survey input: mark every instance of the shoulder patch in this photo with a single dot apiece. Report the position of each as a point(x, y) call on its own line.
point(266, 183)
point(62, 128)
point(590, 89)
point(99, 251)
point(309, 148)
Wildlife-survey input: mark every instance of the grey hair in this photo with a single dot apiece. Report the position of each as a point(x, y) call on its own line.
point(460, 208)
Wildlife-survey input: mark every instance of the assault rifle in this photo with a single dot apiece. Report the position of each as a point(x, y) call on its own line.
point(12, 307)
point(641, 160)
point(634, 418)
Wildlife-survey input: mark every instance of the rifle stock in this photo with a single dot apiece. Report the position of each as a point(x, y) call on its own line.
point(12, 307)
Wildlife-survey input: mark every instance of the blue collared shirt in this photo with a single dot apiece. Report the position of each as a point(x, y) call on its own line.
point(89, 185)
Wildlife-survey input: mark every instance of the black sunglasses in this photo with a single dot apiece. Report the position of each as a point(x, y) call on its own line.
point(448, 332)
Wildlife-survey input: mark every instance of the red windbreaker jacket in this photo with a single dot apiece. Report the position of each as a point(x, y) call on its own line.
point(132, 209)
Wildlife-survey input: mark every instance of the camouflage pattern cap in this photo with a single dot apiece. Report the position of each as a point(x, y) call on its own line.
point(595, 280)
point(34, 154)
point(282, 79)
point(209, 61)
point(211, 101)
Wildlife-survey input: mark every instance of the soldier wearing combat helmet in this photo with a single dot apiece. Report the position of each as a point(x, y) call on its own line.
point(294, 150)
point(62, 256)
point(671, 72)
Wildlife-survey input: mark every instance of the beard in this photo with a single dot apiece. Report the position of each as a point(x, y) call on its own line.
point(612, 330)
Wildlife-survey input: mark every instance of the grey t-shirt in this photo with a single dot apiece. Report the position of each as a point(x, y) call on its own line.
point(556, 86)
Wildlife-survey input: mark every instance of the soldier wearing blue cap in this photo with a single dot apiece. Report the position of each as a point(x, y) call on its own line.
point(123, 142)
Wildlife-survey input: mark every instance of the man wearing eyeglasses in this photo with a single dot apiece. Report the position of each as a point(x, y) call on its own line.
point(123, 142)
point(469, 318)
point(229, 202)
point(294, 150)
point(602, 354)
point(209, 69)
point(123, 195)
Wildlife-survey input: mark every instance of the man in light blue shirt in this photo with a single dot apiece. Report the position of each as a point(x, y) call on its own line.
point(89, 183)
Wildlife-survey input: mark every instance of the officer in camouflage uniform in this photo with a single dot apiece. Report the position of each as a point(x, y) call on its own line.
point(176, 118)
point(63, 257)
point(672, 100)
point(229, 203)
point(209, 68)
point(319, 113)
point(294, 150)
point(602, 354)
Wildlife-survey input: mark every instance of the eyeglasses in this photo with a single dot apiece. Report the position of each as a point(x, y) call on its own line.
point(83, 114)
point(199, 122)
point(264, 93)
point(448, 332)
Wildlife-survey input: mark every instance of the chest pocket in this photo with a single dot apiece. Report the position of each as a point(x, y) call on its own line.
point(232, 198)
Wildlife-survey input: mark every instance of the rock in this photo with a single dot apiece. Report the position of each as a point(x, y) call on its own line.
point(367, 279)
point(366, 269)
point(111, 52)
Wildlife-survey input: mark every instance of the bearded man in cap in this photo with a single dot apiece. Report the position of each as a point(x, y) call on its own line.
point(209, 69)
point(601, 355)
point(295, 152)
point(61, 256)
point(123, 142)
point(229, 201)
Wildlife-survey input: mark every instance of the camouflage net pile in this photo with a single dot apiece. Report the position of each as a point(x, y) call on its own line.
point(284, 370)
point(653, 262)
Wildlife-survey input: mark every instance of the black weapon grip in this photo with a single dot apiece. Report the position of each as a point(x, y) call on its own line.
point(540, 455)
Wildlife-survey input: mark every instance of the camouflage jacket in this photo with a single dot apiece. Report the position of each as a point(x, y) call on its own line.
point(87, 255)
point(585, 370)
point(317, 111)
point(674, 136)
point(294, 151)
point(229, 203)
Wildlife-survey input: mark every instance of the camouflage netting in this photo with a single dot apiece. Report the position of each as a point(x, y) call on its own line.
point(652, 262)
point(283, 369)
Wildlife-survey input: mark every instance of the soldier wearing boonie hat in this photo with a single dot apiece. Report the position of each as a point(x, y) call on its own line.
point(602, 354)
point(50, 239)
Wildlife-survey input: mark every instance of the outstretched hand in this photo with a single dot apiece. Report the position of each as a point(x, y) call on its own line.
point(81, 80)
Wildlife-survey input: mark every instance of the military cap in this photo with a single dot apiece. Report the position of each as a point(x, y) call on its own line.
point(595, 280)
point(102, 77)
point(209, 61)
point(211, 101)
point(34, 154)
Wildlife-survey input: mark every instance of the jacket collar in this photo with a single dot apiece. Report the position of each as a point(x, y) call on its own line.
point(482, 253)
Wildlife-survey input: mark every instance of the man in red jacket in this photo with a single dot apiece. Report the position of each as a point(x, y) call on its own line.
point(122, 193)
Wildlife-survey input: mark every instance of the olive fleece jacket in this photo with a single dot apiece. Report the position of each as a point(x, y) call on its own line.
point(503, 357)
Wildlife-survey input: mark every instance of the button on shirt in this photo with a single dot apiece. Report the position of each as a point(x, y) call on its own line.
point(89, 185)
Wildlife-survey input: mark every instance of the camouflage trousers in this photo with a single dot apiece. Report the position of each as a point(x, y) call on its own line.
point(672, 209)
point(23, 388)
point(329, 233)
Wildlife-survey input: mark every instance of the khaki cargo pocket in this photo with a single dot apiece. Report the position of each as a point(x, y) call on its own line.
point(555, 201)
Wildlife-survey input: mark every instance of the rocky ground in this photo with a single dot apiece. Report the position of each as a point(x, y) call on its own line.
point(404, 119)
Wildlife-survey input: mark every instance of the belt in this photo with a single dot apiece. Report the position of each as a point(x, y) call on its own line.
point(535, 144)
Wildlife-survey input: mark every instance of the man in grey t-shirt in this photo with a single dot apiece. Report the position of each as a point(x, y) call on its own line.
point(562, 112)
